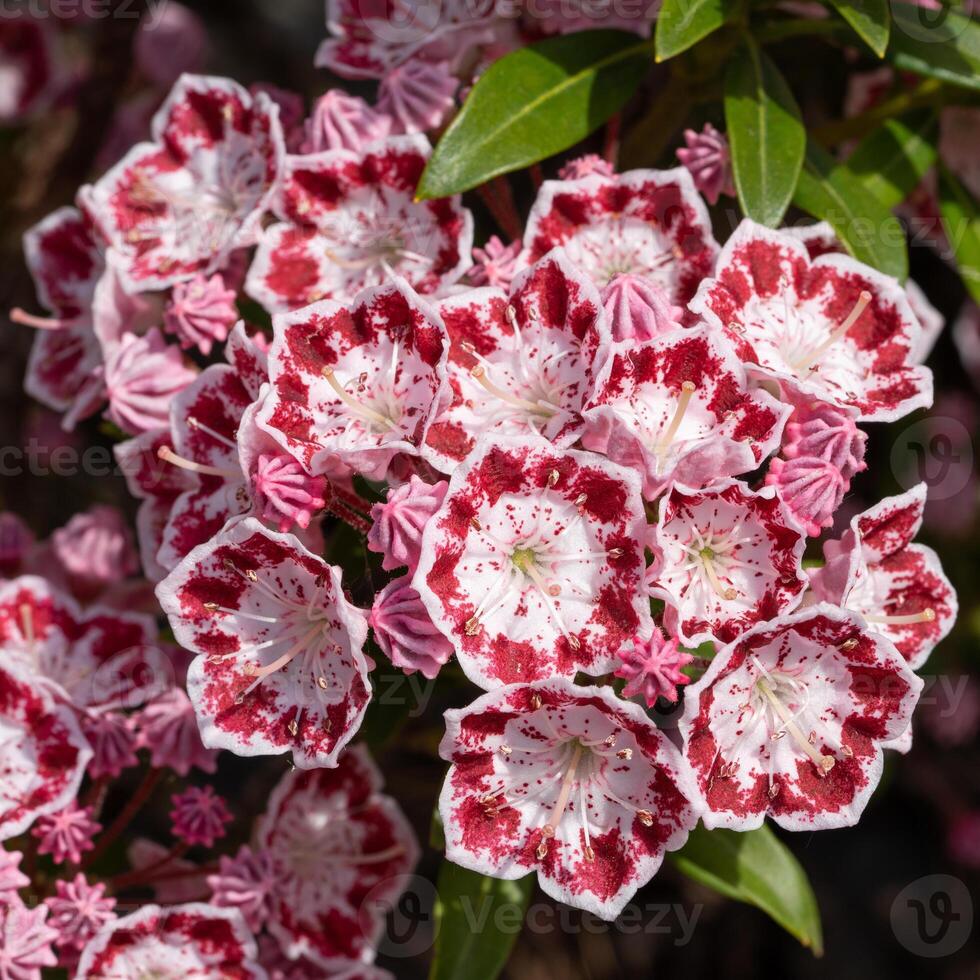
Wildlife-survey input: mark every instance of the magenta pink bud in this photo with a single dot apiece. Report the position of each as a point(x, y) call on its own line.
point(811, 488)
point(343, 122)
point(418, 95)
point(113, 739)
point(495, 264)
point(404, 631)
point(170, 40)
point(707, 158)
point(199, 816)
point(12, 879)
point(25, 941)
point(246, 882)
point(200, 312)
point(653, 668)
point(142, 376)
point(66, 834)
point(285, 493)
point(817, 429)
point(78, 911)
point(398, 523)
point(167, 727)
point(96, 549)
point(16, 542)
point(583, 166)
point(638, 309)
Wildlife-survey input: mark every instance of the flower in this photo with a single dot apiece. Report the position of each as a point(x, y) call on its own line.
point(169, 43)
point(342, 851)
point(404, 631)
point(25, 941)
point(533, 566)
point(638, 309)
point(790, 719)
point(495, 264)
point(650, 223)
point(520, 364)
point(355, 384)
point(200, 312)
point(418, 96)
point(280, 665)
point(96, 548)
point(284, 494)
point(350, 220)
point(343, 122)
point(66, 834)
point(142, 376)
point(28, 66)
point(191, 940)
point(43, 754)
point(680, 407)
point(167, 727)
point(898, 587)
point(199, 816)
point(246, 882)
point(728, 558)
point(652, 668)
point(831, 329)
point(583, 166)
point(567, 781)
point(708, 159)
point(11, 878)
point(181, 204)
point(78, 910)
point(396, 531)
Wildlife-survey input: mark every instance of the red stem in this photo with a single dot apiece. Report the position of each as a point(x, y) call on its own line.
point(610, 148)
point(537, 177)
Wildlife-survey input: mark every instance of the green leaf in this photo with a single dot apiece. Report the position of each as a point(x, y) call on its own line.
point(961, 222)
point(477, 921)
point(533, 103)
point(766, 134)
point(868, 229)
point(893, 159)
point(871, 20)
point(757, 868)
point(682, 23)
point(937, 43)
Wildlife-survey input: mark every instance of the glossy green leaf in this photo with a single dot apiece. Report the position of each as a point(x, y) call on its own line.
point(682, 23)
point(765, 132)
point(868, 229)
point(757, 868)
point(533, 103)
point(478, 919)
point(893, 159)
point(871, 20)
point(937, 43)
point(961, 222)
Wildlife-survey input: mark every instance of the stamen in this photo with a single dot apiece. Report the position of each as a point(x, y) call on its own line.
point(363, 410)
point(169, 456)
point(824, 763)
point(859, 307)
point(709, 570)
point(479, 374)
point(17, 315)
point(195, 423)
point(687, 391)
point(926, 616)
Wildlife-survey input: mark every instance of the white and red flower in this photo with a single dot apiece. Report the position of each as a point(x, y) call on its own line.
point(680, 407)
point(831, 328)
point(789, 721)
point(184, 942)
point(180, 205)
point(354, 386)
point(341, 850)
point(566, 781)
point(898, 587)
point(533, 567)
point(520, 365)
point(649, 223)
point(43, 753)
point(728, 558)
point(350, 220)
point(280, 665)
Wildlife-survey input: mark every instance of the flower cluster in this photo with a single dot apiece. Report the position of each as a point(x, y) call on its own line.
point(585, 464)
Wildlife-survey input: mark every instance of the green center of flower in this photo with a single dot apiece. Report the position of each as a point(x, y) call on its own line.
point(523, 559)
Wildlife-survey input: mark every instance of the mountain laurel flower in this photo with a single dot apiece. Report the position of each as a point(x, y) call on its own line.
point(567, 781)
point(638, 309)
point(418, 96)
point(201, 312)
point(533, 567)
point(398, 523)
point(709, 161)
point(26, 939)
point(285, 494)
point(199, 816)
point(899, 587)
point(652, 668)
point(246, 882)
point(343, 122)
point(65, 835)
point(790, 719)
point(78, 910)
point(405, 632)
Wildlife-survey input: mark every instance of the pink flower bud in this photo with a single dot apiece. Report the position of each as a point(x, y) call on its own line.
point(707, 158)
point(246, 882)
point(285, 493)
point(653, 668)
point(66, 834)
point(200, 312)
point(343, 122)
point(169, 41)
point(418, 95)
point(25, 941)
point(829, 433)
point(398, 524)
point(583, 166)
point(96, 549)
point(78, 911)
point(811, 488)
point(638, 309)
point(495, 264)
point(405, 632)
point(199, 816)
